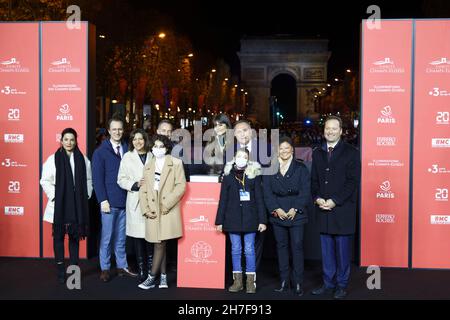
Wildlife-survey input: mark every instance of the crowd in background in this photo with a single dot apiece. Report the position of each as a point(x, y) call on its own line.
point(301, 135)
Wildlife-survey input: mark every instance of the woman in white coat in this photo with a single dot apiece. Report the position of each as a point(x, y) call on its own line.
point(67, 182)
point(130, 178)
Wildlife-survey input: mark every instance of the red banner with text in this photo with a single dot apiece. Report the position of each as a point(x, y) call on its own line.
point(64, 95)
point(385, 140)
point(431, 182)
point(19, 145)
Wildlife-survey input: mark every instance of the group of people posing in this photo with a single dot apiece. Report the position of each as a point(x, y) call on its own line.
point(139, 186)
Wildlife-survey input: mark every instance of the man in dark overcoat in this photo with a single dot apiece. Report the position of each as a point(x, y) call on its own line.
point(335, 177)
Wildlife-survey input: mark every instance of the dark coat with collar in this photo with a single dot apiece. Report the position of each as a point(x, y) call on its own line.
point(289, 191)
point(105, 169)
point(241, 216)
point(337, 179)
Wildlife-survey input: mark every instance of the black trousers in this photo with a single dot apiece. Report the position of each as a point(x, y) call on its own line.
point(259, 246)
point(172, 253)
point(295, 235)
point(74, 248)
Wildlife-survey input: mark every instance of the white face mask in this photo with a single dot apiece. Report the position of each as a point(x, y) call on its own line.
point(159, 152)
point(241, 162)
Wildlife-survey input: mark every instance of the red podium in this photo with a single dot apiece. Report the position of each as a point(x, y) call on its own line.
point(201, 250)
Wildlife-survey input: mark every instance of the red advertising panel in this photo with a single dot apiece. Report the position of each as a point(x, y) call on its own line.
point(386, 106)
point(201, 250)
point(431, 182)
point(19, 141)
point(64, 94)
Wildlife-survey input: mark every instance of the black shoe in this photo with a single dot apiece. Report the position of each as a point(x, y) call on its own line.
point(142, 274)
point(340, 293)
point(105, 276)
point(322, 290)
point(284, 287)
point(149, 263)
point(61, 273)
point(126, 272)
point(298, 291)
point(74, 263)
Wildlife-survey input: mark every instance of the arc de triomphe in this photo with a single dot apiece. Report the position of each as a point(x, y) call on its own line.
point(263, 58)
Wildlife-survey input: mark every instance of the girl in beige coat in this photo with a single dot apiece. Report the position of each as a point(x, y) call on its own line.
point(160, 197)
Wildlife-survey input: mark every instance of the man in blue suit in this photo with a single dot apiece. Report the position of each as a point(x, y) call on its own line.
point(112, 199)
point(335, 176)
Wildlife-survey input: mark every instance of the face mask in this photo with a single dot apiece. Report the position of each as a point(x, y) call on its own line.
point(241, 162)
point(159, 152)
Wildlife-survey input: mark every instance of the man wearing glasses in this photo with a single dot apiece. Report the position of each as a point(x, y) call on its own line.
point(112, 200)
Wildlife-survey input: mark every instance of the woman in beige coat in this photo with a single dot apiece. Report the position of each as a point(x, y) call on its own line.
point(130, 178)
point(160, 197)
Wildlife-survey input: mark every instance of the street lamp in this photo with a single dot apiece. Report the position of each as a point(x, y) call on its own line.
point(162, 35)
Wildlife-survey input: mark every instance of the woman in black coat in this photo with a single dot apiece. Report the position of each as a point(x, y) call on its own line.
point(287, 194)
point(241, 213)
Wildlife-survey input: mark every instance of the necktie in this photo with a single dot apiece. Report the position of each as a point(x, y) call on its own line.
point(118, 151)
point(330, 150)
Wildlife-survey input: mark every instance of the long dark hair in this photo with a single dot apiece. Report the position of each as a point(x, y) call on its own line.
point(144, 135)
point(69, 131)
point(72, 131)
point(223, 119)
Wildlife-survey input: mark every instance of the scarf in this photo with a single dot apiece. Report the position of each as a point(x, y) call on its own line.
point(239, 173)
point(71, 199)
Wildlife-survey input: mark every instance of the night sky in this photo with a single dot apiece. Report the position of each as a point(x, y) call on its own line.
point(216, 27)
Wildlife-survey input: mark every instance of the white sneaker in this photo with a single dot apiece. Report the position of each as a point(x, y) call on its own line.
point(163, 281)
point(148, 283)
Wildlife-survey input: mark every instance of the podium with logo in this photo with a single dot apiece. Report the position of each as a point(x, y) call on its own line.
point(201, 250)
